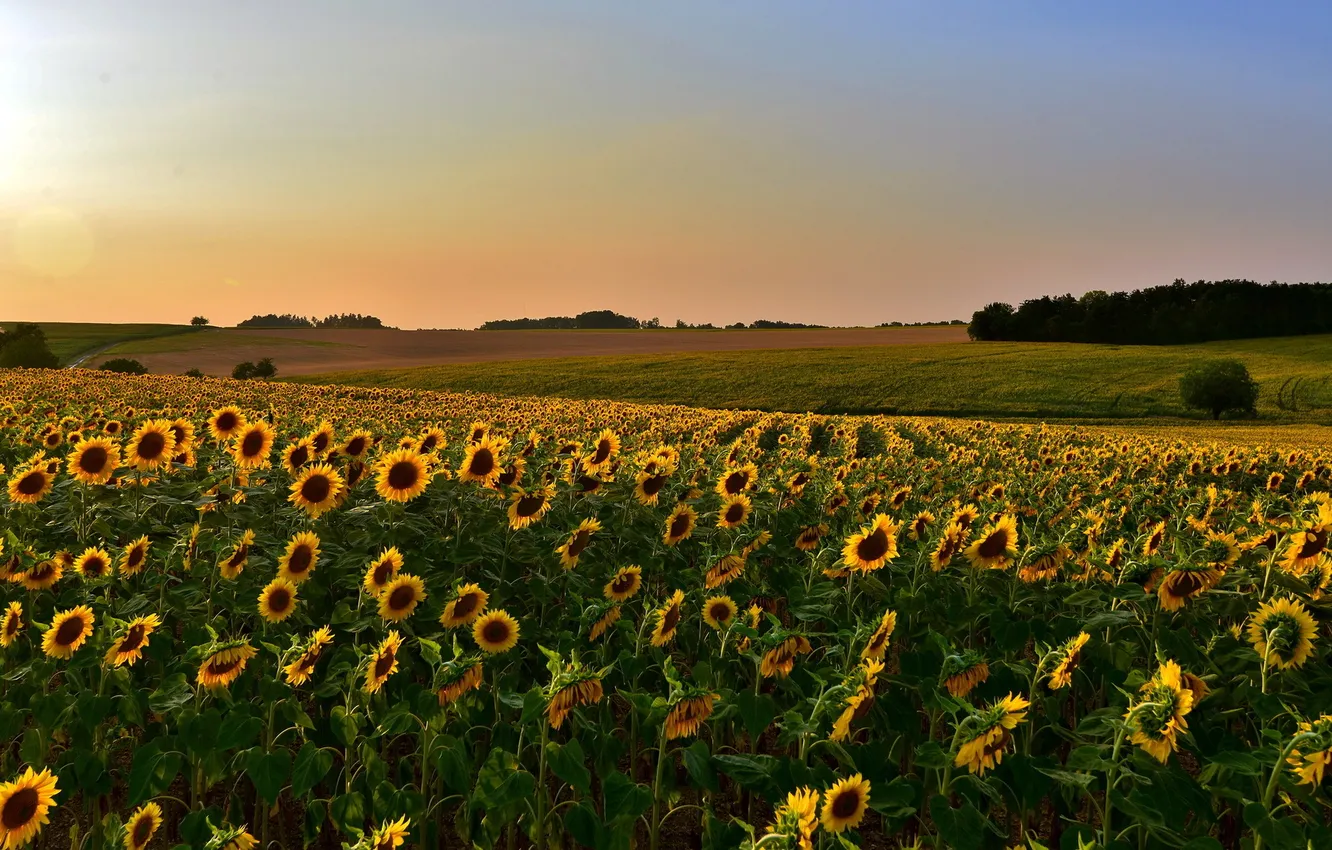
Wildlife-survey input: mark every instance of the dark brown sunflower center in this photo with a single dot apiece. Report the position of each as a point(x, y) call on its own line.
point(720, 612)
point(384, 663)
point(70, 630)
point(316, 489)
point(402, 475)
point(299, 457)
point(20, 809)
point(670, 619)
point(466, 604)
point(32, 483)
point(133, 639)
point(151, 445)
point(226, 421)
point(1185, 584)
point(1314, 543)
point(135, 557)
point(143, 830)
point(874, 546)
point(222, 668)
point(578, 543)
point(624, 583)
point(382, 571)
point(735, 482)
point(93, 460)
point(355, 446)
point(320, 441)
point(482, 463)
point(401, 597)
point(252, 444)
point(12, 623)
point(652, 486)
point(994, 545)
point(495, 632)
point(300, 560)
point(238, 557)
point(528, 506)
point(735, 513)
point(603, 452)
point(679, 525)
point(279, 600)
point(845, 804)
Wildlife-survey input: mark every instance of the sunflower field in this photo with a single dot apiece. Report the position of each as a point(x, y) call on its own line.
point(239, 615)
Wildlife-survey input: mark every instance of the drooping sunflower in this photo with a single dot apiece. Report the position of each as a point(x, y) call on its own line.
point(277, 601)
point(383, 662)
point(299, 671)
point(988, 733)
point(808, 538)
point(734, 511)
point(401, 475)
point(845, 803)
point(400, 597)
point(688, 714)
point(920, 523)
point(668, 619)
point(1066, 661)
point(252, 445)
point(463, 609)
point(69, 629)
point(142, 826)
point(861, 699)
point(873, 546)
point(961, 673)
point(608, 618)
point(495, 631)
point(25, 805)
point(11, 626)
point(571, 687)
point(526, 507)
point(316, 489)
point(1282, 632)
point(1158, 716)
point(234, 563)
point(94, 461)
point(481, 462)
point(381, 570)
point(224, 663)
point(1310, 758)
point(226, 423)
point(779, 661)
point(727, 569)
point(719, 611)
point(679, 525)
point(152, 445)
point(951, 542)
point(878, 641)
point(127, 648)
point(390, 835)
point(572, 549)
point(1185, 582)
point(301, 557)
point(28, 486)
point(996, 548)
point(457, 677)
point(624, 584)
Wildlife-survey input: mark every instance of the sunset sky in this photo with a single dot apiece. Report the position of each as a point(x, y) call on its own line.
point(438, 164)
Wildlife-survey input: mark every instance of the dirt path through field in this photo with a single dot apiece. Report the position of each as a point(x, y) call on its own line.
point(306, 352)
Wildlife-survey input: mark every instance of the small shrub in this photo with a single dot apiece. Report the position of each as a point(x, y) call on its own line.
point(124, 365)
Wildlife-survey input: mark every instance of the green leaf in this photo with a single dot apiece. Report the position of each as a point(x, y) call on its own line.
point(238, 731)
point(757, 711)
point(151, 773)
point(752, 772)
point(501, 782)
point(33, 748)
point(1242, 763)
point(312, 765)
point(698, 761)
point(931, 754)
point(624, 798)
point(961, 828)
point(582, 823)
point(568, 763)
point(343, 724)
point(348, 812)
point(174, 692)
point(268, 772)
point(451, 764)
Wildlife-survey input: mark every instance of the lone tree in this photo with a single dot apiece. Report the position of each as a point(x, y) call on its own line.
point(246, 371)
point(1218, 386)
point(124, 365)
point(199, 322)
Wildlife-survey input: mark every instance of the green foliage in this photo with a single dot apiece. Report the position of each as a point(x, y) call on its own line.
point(124, 365)
point(1219, 386)
point(25, 347)
point(262, 370)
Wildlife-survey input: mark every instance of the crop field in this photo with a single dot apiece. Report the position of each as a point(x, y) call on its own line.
point(1011, 379)
point(69, 340)
point(240, 614)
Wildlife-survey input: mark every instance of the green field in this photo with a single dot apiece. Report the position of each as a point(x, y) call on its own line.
point(1029, 380)
point(68, 340)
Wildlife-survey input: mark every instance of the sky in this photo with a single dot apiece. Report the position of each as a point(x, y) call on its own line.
point(438, 164)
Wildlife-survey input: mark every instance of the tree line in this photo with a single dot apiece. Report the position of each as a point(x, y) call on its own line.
point(289, 320)
point(1163, 315)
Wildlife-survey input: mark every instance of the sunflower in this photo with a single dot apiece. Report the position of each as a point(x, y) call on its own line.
point(1283, 632)
point(604, 622)
point(457, 677)
point(878, 641)
point(299, 671)
point(128, 647)
point(42, 576)
point(861, 700)
point(69, 629)
point(226, 423)
point(390, 835)
point(29, 486)
point(1152, 544)
point(401, 475)
point(383, 662)
point(400, 597)
point(296, 455)
point(962, 673)
point(93, 563)
point(951, 542)
point(301, 557)
point(495, 631)
point(808, 538)
point(845, 803)
point(719, 611)
point(735, 481)
point(779, 661)
point(277, 600)
point(624, 584)
point(232, 838)
point(233, 564)
point(648, 486)
point(679, 525)
point(1310, 759)
point(727, 569)
point(481, 462)
point(382, 570)
point(142, 826)
point(463, 609)
point(12, 624)
point(94, 461)
point(152, 445)
point(224, 664)
point(734, 511)
point(797, 819)
point(668, 619)
point(571, 688)
point(873, 546)
point(1183, 583)
point(1067, 657)
point(24, 806)
point(526, 507)
point(316, 489)
point(988, 733)
point(358, 444)
point(686, 716)
point(996, 548)
point(252, 445)
point(1157, 717)
point(578, 541)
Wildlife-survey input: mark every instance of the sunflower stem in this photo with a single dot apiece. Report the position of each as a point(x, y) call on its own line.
point(655, 836)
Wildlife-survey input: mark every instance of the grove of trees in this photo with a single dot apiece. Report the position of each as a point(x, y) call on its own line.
point(25, 347)
point(289, 320)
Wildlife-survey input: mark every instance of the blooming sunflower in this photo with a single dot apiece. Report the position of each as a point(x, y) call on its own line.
point(526, 508)
point(390, 835)
point(11, 625)
point(1067, 658)
point(316, 489)
point(133, 557)
point(878, 641)
point(94, 461)
point(233, 564)
point(299, 671)
point(463, 609)
point(127, 648)
point(142, 826)
point(226, 423)
point(301, 557)
point(69, 629)
point(382, 570)
point(797, 818)
point(152, 445)
point(224, 663)
point(578, 541)
point(42, 575)
point(624, 584)
point(679, 525)
point(1152, 544)
point(779, 661)
point(358, 444)
point(93, 563)
point(648, 486)
point(296, 455)
point(996, 548)
point(873, 546)
point(735, 481)
point(1310, 758)
point(30, 485)
point(1283, 632)
point(719, 611)
point(988, 732)
point(400, 597)
point(951, 542)
point(603, 453)
point(481, 462)
point(24, 806)
point(845, 803)
point(1157, 717)
point(383, 662)
point(734, 511)
point(668, 619)
point(277, 601)
point(401, 475)
point(495, 632)
point(252, 445)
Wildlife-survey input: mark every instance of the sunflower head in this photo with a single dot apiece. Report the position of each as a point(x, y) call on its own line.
point(25, 804)
point(69, 629)
point(495, 632)
point(845, 803)
point(1283, 632)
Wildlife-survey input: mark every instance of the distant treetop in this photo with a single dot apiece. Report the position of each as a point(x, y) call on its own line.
point(287, 320)
point(592, 320)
